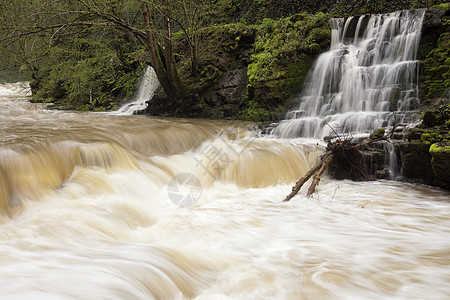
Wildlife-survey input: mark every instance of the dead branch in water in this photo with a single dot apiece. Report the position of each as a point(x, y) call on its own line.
point(344, 158)
point(316, 180)
point(298, 185)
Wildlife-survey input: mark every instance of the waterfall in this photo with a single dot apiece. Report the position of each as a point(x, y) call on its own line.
point(147, 88)
point(367, 79)
point(16, 89)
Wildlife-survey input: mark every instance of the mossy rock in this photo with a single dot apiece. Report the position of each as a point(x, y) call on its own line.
point(440, 163)
point(376, 134)
point(414, 134)
point(439, 149)
point(320, 35)
point(416, 161)
point(439, 117)
point(431, 136)
point(429, 119)
point(314, 49)
point(443, 6)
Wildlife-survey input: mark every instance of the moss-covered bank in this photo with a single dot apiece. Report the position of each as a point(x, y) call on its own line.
point(255, 69)
point(283, 53)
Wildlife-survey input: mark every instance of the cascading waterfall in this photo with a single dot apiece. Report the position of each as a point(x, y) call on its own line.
point(147, 88)
point(368, 79)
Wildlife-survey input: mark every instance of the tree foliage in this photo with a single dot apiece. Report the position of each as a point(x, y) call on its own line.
point(36, 29)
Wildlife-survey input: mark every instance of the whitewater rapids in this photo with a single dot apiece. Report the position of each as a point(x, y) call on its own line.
point(86, 214)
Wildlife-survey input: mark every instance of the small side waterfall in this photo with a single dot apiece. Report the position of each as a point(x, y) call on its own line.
point(147, 88)
point(17, 89)
point(368, 78)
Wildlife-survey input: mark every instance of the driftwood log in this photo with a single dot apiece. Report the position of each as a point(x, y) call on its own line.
point(318, 170)
point(343, 156)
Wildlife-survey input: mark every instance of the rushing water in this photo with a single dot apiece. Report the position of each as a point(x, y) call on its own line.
point(86, 213)
point(146, 90)
point(368, 79)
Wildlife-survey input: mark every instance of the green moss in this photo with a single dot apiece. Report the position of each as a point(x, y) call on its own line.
point(281, 42)
point(219, 49)
point(430, 137)
point(256, 113)
point(437, 69)
point(436, 149)
point(320, 36)
point(283, 53)
point(313, 48)
point(442, 6)
point(377, 133)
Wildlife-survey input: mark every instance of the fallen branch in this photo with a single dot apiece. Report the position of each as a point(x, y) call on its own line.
point(298, 185)
point(383, 138)
point(320, 167)
point(341, 150)
point(319, 173)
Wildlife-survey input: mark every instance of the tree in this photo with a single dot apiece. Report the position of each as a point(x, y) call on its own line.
point(27, 24)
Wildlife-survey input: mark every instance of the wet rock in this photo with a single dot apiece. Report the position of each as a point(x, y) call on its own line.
point(269, 128)
point(330, 138)
point(224, 97)
point(374, 162)
point(398, 136)
point(382, 174)
point(60, 107)
point(377, 133)
point(429, 119)
point(440, 163)
point(433, 17)
point(416, 162)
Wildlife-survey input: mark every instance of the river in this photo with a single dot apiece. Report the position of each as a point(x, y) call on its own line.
point(97, 206)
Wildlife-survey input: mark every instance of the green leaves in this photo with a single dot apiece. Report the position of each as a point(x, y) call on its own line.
point(437, 69)
point(85, 73)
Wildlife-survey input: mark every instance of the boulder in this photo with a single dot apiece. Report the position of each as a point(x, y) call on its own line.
point(416, 162)
point(440, 163)
point(433, 17)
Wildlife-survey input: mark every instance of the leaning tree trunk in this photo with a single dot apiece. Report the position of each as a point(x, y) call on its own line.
point(162, 57)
